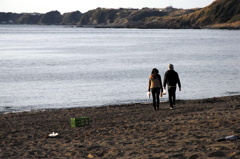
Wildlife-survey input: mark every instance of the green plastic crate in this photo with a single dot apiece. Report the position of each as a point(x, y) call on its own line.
point(79, 122)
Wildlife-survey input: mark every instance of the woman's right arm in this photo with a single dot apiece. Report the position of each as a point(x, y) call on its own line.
point(149, 85)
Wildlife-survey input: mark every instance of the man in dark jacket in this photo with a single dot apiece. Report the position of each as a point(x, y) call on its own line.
point(171, 79)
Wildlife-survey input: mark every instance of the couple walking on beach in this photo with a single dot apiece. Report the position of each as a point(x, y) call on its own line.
point(171, 79)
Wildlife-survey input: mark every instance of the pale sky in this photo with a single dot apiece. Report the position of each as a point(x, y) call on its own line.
point(63, 6)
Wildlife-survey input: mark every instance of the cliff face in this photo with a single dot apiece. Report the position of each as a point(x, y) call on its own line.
point(9, 17)
point(99, 16)
point(220, 14)
point(27, 19)
point(53, 17)
point(50, 18)
point(118, 17)
point(71, 18)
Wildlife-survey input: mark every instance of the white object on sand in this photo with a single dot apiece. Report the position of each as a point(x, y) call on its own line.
point(229, 138)
point(53, 134)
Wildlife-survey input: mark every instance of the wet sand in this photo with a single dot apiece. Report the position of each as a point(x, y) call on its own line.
point(129, 131)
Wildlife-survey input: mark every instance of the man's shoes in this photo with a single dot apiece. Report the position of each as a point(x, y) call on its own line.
point(171, 108)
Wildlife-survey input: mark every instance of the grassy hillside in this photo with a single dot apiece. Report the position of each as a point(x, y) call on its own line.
point(220, 11)
point(220, 14)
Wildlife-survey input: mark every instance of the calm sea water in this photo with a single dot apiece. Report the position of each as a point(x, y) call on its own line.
point(45, 67)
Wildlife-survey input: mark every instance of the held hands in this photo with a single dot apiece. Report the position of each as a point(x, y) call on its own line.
point(179, 88)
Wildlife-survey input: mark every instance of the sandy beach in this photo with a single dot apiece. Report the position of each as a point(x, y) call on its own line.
point(129, 131)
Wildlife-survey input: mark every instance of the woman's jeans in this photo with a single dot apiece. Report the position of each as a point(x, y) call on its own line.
point(172, 95)
point(155, 96)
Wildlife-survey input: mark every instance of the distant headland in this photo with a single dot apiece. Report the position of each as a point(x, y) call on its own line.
point(221, 14)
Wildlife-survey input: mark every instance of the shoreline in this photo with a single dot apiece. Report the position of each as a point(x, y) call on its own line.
point(107, 105)
point(223, 26)
point(126, 131)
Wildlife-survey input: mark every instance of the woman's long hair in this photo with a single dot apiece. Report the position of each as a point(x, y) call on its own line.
point(154, 70)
